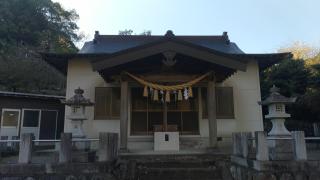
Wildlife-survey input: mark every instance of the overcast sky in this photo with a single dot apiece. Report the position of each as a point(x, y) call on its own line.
point(257, 26)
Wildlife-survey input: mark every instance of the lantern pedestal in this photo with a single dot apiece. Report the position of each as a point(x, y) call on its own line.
point(278, 128)
point(77, 129)
point(78, 134)
point(77, 117)
point(280, 149)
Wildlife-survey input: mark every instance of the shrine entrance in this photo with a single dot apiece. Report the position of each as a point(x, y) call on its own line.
point(148, 116)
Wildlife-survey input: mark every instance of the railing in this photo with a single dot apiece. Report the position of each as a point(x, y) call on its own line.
point(287, 138)
point(49, 140)
point(107, 148)
point(242, 143)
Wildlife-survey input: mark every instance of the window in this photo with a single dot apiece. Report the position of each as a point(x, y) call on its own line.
point(224, 103)
point(107, 103)
point(31, 118)
point(10, 118)
point(279, 107)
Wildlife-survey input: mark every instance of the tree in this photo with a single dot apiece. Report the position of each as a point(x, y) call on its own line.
point(146, 33)
point(314, 60)
point(300, 50)
point(311, 99)
point(28, 27)
point(299, 78)
point(130, 32)
point(126, 32)
point(315, 77)
point(291, 76)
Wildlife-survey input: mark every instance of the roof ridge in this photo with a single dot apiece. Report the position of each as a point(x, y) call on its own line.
point(169, 35)
point(152, 36)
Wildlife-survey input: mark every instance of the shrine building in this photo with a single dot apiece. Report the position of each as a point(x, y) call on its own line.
point(196, 90)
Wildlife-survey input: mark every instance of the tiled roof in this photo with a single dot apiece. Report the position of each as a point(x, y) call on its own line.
point(115, 43)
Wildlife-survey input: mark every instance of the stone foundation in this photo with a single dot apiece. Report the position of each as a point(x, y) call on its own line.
point(280, 149)
point(175, 167)
point(243, 169)
point(54, 171)
point(128, 167)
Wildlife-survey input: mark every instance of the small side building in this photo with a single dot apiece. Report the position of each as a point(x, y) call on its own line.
point(42, 115)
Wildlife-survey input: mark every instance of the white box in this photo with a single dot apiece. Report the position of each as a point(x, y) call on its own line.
point(166, 141)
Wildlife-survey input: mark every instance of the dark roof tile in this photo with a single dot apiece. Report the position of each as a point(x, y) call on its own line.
point(115, 43)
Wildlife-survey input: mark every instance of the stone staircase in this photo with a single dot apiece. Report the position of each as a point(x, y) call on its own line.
point(181, 167)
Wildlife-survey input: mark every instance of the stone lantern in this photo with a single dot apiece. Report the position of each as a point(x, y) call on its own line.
point(279, 149)
point(277, 111)
point(78, 104)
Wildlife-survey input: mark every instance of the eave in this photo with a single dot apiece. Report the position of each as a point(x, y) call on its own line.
point(60, 61)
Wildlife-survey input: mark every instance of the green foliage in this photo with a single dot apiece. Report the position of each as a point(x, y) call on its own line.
point(146, 33)
point(301, 50)
point(28, 27)
point(298, 78)
point(314, 60)
point(30, 76)
point(36, 25)
point(127, 32)
point(291, 76)
point(311, 99)
point(315, 77)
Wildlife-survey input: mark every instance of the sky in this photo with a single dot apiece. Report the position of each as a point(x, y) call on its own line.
point(257, 26)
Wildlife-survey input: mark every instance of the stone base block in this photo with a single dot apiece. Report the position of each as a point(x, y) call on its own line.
point(280, 149)
point(83, 156)
point(81, 146)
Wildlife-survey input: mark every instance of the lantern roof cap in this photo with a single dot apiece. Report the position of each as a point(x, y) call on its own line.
point(78, 99)
point(276, 98)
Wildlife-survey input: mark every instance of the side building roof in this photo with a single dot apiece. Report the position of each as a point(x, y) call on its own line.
point(30, 95)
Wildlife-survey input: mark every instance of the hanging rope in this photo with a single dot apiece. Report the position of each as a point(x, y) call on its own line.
point(169, 87)
point(166, 90)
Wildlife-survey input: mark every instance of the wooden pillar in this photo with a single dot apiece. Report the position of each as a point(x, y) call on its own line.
point(212, 117)
point(124, 116)
point(165, 116)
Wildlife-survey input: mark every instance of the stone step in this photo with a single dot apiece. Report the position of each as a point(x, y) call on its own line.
point(180, 174)
point(179, 164)
point(160, 158)
point(180, 167)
